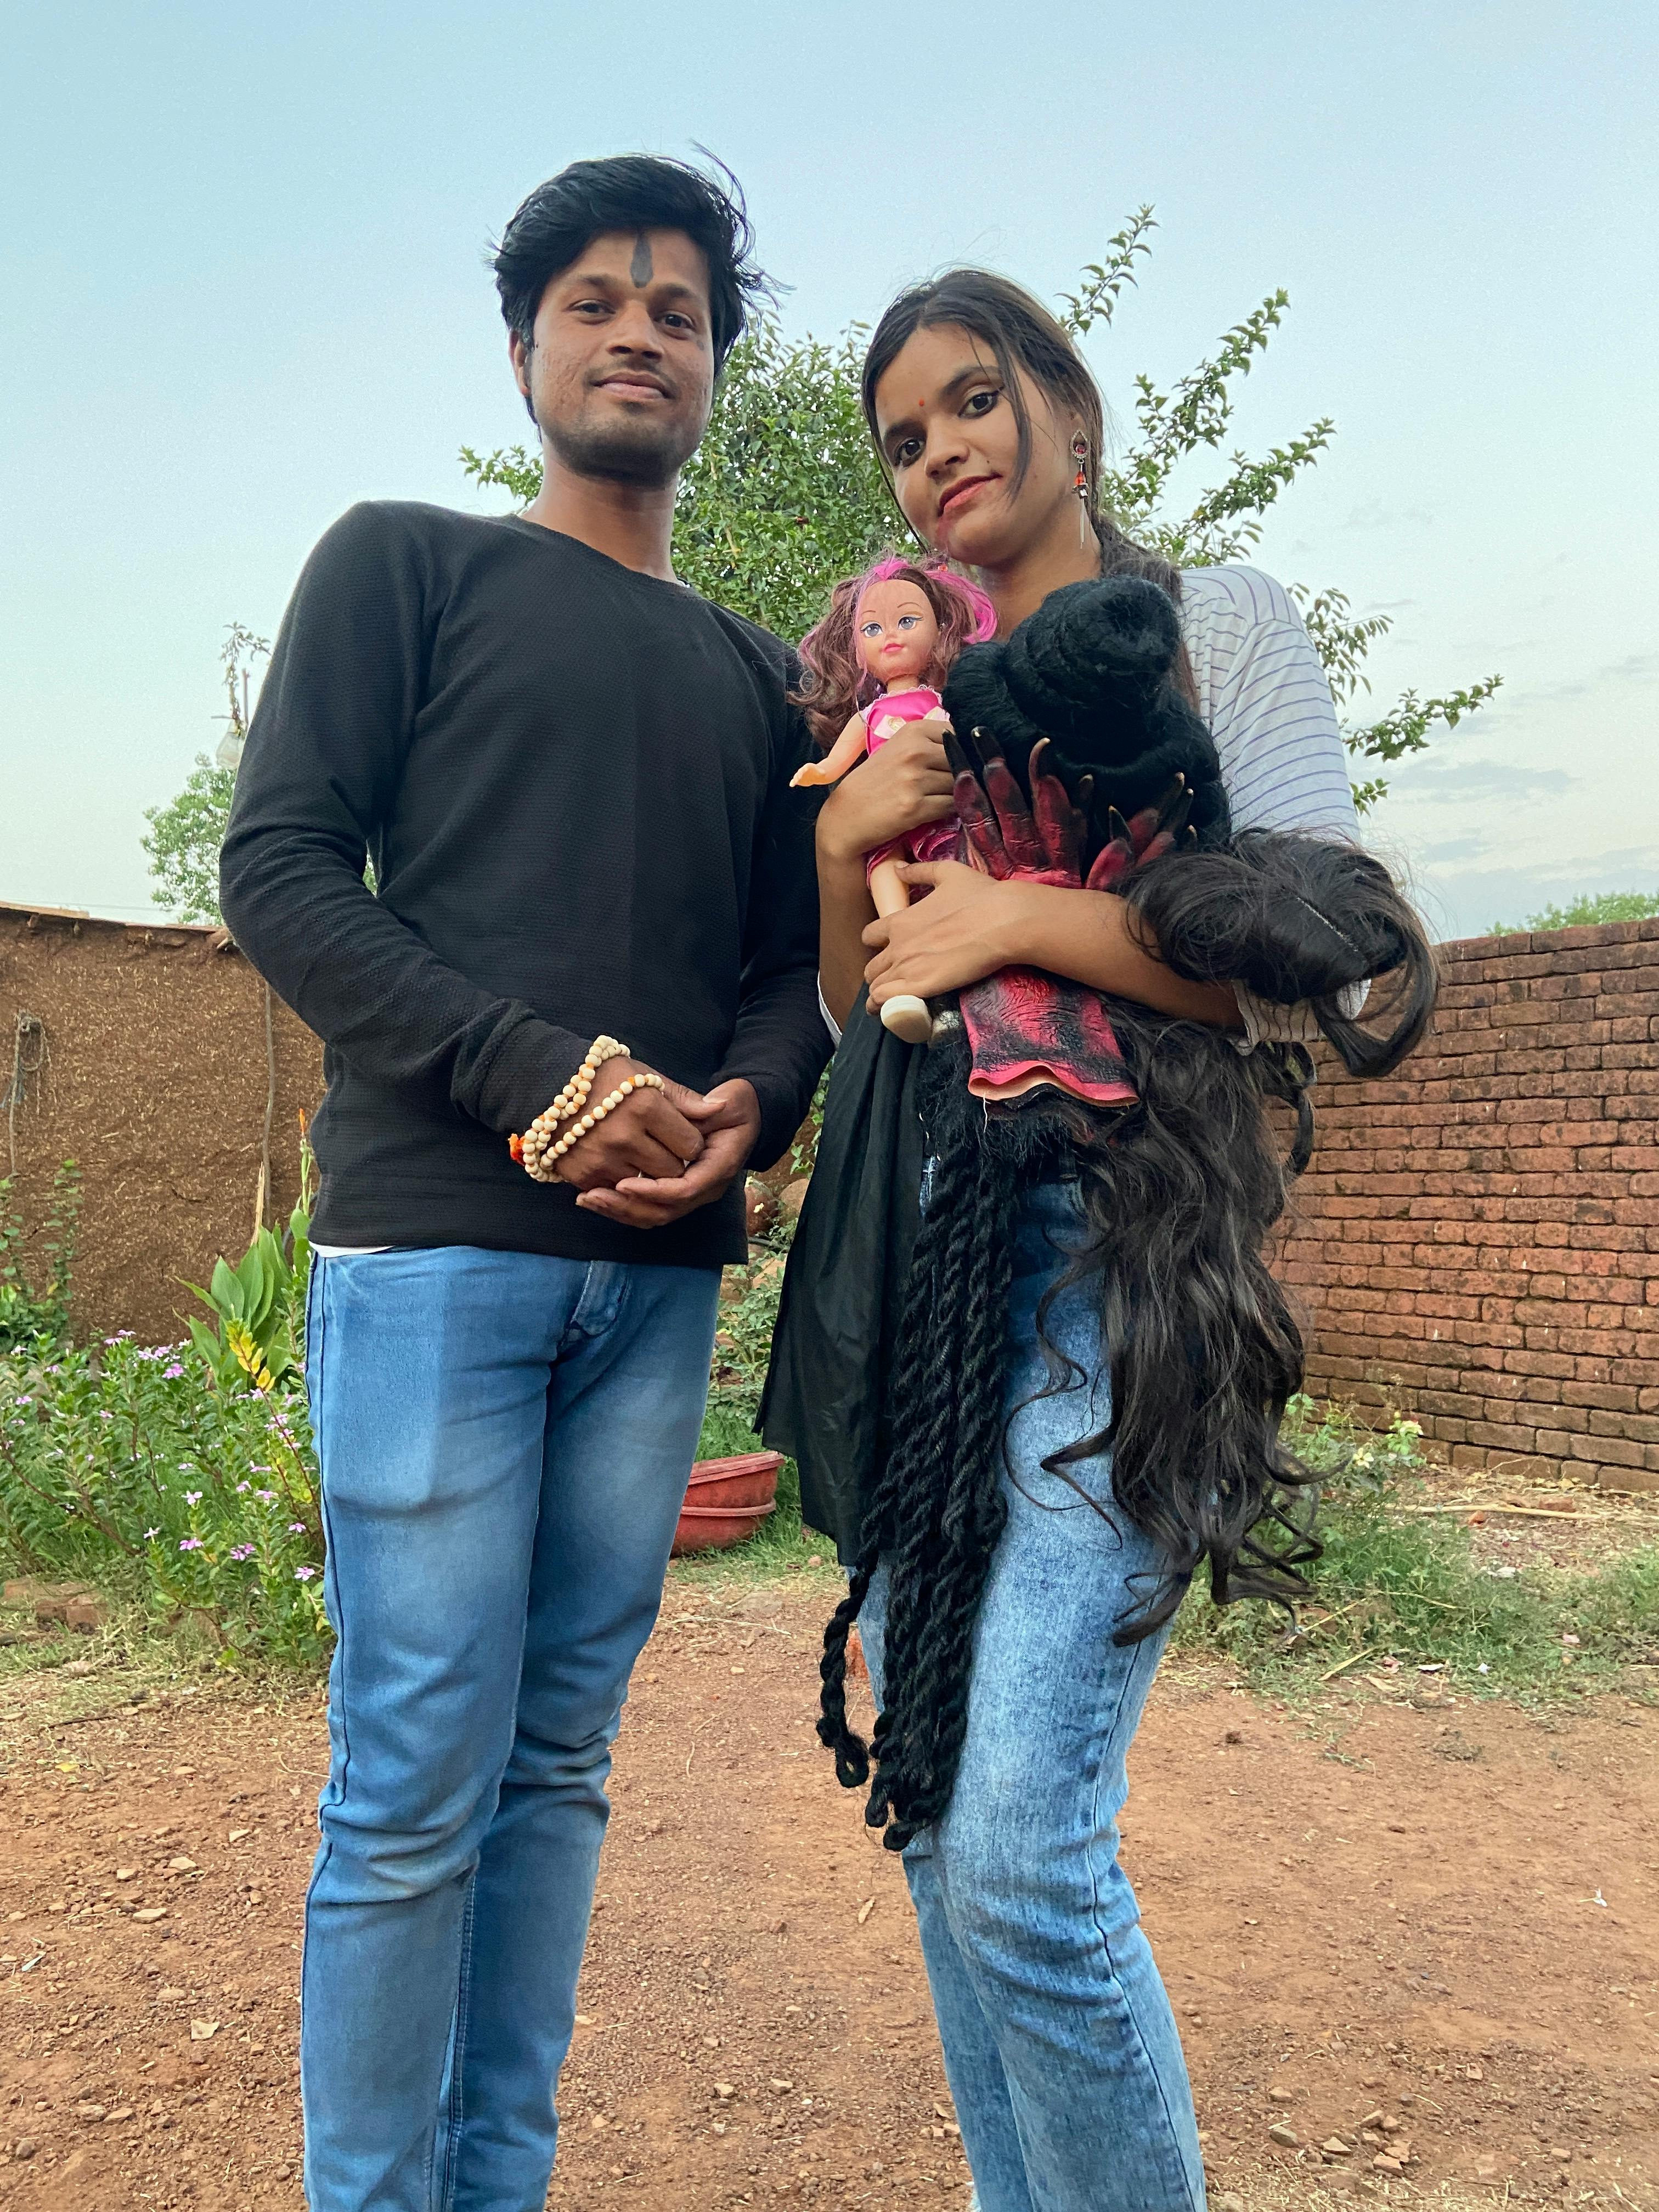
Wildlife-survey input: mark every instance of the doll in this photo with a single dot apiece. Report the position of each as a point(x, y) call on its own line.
point(890, 637)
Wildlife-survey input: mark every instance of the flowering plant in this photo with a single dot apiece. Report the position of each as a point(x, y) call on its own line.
point(128, 1462)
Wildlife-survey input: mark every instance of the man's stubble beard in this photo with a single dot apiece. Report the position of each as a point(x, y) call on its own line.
point(646, 453)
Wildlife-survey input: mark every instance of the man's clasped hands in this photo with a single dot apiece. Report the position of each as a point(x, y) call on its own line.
point(662, 1153)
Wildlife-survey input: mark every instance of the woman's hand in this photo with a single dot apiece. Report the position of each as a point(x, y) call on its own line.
point(904, 783)
point(967, 926)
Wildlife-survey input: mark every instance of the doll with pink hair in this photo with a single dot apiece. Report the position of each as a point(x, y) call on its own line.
point(874, 663)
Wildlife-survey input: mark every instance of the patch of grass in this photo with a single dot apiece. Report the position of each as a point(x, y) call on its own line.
point(1392, 1592)
point(52, 1680)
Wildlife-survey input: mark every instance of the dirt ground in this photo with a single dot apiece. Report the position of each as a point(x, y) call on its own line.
point(1425, 1931)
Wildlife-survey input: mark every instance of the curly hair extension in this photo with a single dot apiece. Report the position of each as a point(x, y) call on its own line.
point(1294, 917)
point(1202, 1350)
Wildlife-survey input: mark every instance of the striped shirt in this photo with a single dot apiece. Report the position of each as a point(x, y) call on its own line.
point(1263, 691)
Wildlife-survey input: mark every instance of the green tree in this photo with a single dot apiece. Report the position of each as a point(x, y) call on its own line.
point(784, 494)
point(185, 835)
point(1591, 909)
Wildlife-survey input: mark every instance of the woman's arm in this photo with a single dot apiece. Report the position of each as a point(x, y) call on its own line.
point(970, 925)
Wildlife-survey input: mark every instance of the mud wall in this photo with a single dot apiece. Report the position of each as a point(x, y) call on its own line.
point(142, 1056)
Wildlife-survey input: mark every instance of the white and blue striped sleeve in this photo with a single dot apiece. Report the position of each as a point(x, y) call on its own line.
point(1263, 690)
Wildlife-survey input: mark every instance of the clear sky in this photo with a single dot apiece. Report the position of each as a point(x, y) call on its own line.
point(243, 286)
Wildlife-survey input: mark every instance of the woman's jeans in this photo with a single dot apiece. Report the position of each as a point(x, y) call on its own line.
point(1060, 2043)
point(504, 1440)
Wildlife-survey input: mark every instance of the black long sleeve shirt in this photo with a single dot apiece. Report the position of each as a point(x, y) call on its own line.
point(572, 781)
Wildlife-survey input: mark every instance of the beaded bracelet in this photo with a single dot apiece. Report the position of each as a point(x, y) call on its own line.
point(541, 1170)
point(537, 1151)
point(528, 1148)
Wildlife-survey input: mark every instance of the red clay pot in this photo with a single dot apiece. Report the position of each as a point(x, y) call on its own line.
point(726, 1500)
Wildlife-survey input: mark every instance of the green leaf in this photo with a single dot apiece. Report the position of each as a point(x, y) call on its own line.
point(1103, 280)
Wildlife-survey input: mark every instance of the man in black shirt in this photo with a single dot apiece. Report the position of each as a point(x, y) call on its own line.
point(572, 775)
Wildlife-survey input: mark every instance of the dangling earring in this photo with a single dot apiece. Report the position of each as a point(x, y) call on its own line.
point(1080, 455)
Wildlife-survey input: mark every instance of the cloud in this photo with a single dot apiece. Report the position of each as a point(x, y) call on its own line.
point(1451, 848)
point(1490, 782)
point(1376, 516)
point(1629, 668)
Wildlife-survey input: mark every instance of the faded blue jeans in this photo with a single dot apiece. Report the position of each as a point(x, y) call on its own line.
point(1060, 2043)
point(504, 1440)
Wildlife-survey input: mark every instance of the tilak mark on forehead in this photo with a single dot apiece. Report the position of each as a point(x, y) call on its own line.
point(640, 268)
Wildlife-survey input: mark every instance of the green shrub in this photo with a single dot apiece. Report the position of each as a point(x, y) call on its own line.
point(28, 1314)
point(182, 1474)
point(257, 1308)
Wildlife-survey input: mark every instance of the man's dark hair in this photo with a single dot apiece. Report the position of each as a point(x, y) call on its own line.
point(631, 191)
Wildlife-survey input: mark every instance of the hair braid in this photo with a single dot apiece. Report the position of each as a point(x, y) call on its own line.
point(937, 1508)
point(920, 1383)
point(975, 1515)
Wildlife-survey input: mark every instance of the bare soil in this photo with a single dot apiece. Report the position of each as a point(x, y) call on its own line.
point(1438, 1917)
point(1521, 1523)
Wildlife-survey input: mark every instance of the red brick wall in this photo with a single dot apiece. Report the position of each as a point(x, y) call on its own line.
point(1477, 1241)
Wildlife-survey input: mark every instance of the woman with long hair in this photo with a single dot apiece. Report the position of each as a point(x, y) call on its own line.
point(1059, 2040)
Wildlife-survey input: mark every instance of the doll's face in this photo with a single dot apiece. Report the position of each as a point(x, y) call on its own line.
point(898, 632)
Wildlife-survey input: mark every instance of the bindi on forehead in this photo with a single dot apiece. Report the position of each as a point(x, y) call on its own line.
point(640, 268)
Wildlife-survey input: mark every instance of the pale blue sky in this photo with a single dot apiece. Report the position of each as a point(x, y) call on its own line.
point(244, 284)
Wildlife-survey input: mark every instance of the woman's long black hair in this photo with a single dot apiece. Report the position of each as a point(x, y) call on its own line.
point(1179, 1190)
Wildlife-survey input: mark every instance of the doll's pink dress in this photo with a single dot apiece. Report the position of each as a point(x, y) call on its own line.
point(933, 841)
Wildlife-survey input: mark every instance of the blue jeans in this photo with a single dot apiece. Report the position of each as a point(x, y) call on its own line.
point(1060, 2043)
point(504, 1440)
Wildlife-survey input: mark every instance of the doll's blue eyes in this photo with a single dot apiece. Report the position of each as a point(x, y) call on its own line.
point(873, 629)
